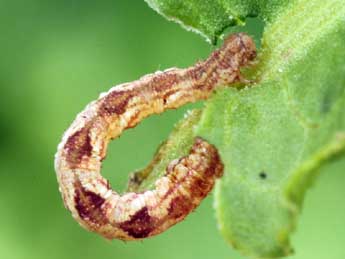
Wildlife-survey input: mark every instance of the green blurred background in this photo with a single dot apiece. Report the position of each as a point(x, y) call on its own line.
point(56, 56)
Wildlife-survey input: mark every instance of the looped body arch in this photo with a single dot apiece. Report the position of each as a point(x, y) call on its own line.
point(186, 181)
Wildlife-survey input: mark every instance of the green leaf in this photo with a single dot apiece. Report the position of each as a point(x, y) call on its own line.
point(211, 17)
point(275, 136)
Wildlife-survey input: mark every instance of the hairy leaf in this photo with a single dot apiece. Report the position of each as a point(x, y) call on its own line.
point(211, 17)
point(275, 136)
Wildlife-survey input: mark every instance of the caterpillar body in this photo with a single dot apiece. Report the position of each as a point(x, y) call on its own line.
point(186, 181)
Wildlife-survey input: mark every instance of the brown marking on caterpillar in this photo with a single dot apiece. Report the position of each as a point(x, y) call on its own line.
point(78, 145)
point(179, 207)
point(164, 82)
point(140, 225)
point(88, 205)
point(186, 181)
point(196, 73)
point(116, 102)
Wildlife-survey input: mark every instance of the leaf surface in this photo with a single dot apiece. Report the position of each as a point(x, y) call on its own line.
point(211, 17)
point(274, 137)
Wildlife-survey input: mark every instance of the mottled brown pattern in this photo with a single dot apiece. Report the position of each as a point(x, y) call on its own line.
point(201, 187)
point(163, 81)
point(116, 102)
point(198, 184)
point(215, 165)
point(179, 207)
point(140, 225)
point(88, 205)
point(77, 146)
point(196, 73)
point(186, 180)
point(209, 168)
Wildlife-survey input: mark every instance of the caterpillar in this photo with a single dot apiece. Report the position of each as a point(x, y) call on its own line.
point(186, 181)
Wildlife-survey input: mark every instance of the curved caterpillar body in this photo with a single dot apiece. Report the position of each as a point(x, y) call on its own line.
point(187, 180)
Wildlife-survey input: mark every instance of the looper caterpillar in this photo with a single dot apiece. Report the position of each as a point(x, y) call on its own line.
point(187, 180)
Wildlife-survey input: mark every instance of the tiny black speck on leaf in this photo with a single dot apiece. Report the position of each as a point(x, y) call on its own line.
point(263, 175)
